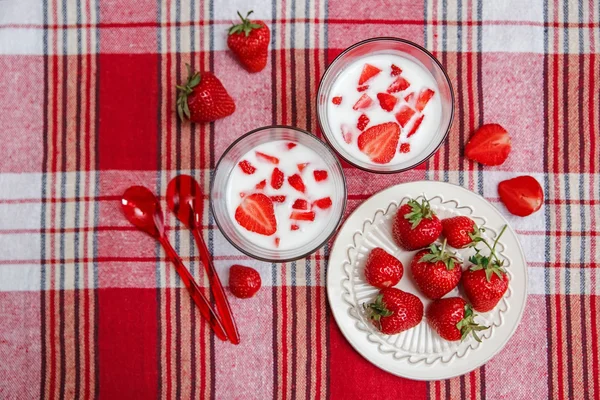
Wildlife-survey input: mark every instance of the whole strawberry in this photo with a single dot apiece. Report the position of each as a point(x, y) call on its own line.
point(416, 225)
point(244, 282)
point(383, 269)
point(461, 231)
point(394, 311)
point(250, 42)
point(453, 319)
point(435, 271)
point(486, 281)
point(203, 98)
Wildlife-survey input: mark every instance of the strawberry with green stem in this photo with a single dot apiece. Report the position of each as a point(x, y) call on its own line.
point(249, 41)
point(453, 319)
point(436, 271)
point(415, 225)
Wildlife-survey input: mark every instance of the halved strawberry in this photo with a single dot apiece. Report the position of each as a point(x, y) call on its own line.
point(256, 214)
point(404, 115)
point(261, 185)
point(297, 183)
point(387, 101)
point(337, 100)
point(415, 126)
point(294, 227)
point(398, 85)
point(379, 142)
point(266, 157)
point(303, 215)
point(489, 145)
point(405, 148)
point(320, 175)
point(362, 88)
point(291, 145)
point(300, 204)
point(323, 203)
point(277, 199)
point(246, 167)
point(424, 97)
point(277, 178)
point(363, 121)
point(396, 70)
point(302, 166)
point(347, 133)
point(410, 97)
point(364, 102)
point(367, 73)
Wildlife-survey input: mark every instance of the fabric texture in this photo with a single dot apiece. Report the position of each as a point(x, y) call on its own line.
point(89, 307)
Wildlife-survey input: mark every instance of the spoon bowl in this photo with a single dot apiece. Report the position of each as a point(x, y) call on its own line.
point(142, 209)
point(184, 198)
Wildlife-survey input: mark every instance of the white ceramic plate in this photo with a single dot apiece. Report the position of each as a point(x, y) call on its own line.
point(420, 353)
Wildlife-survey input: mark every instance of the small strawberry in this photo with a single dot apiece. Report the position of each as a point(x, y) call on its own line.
point(261, 185)
point(404, 115)
point(435, 271)
point(461, 231)
point(277, 199)
point(203, 98)
point(267, 157)
point(246, 167)
point(489, 145)
point(291, 145)
point(387, 101)
point(294, 227)
point(379, 142)
point(416, 225)
point(522, 195)
point(303, 215)
point(398, 85)
point(362, 88)
point(367, 73)
point(424, 97)
point(277, 178)
point(323, 203)
point(415, 126)
point(383, 269)
point(405, 148)
point(244, 282)
point(297, 183)
point(409, 97)
point(249, 41)
point(395, 311)
point(363, 121)
point(256, 214)
point(320, 175)
point(301, 166)
point(300, 204)
point(453, 319)
point(347, 133)
point(395, 70)
point(486, 281)
point(277, 241)
point(337, 100)
point(364, 102)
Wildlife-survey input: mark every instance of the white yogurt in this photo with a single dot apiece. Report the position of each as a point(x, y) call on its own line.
point(240, 182)
point(346, 87)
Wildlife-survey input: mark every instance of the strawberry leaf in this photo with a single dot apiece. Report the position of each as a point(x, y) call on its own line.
point(246, 26)
point(468, 325)
point(419, 212)
point(437, 253)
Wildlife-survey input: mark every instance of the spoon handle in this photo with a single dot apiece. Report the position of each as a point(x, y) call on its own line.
point(217, 289)
point(199, 298)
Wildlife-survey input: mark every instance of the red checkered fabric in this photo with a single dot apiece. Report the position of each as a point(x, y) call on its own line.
point(89, 307)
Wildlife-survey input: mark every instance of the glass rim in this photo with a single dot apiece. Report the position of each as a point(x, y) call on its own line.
point(339, 218)
point(392, 39)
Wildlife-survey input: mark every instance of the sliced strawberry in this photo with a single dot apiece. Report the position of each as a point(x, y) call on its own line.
point(364, 102)
point(346, 133)
point(256, 214)
point(302, 166)
point(320, 175)
point(261, 185)
point(337, 100)
point(277, 178)
point(363, 121)
point(424, 97)
point(367, 73)
point(362, 88)
point(296, 182)
point(387, 101)
point(404, 147)
point(379, 142)
point(277, 199)
point(303, 215)
point(266, 157)
point(489, 145)
point(294, 227)
point(396, 70)
point(415, 126)
point(277, 240)
point(410, 97)
point(246, 167)
point(522, 195)
point(300, 204)
point(404, 115)
point(291, 145)
point(323, 203)
point(398, 85)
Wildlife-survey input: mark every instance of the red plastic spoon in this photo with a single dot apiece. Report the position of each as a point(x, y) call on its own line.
point(184, 198)
point(142, 209)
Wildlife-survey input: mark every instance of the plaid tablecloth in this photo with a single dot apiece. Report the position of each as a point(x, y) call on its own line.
point(89, 307)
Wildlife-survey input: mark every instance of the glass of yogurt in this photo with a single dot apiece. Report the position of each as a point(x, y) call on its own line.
point(278, 193)
point(385, 105)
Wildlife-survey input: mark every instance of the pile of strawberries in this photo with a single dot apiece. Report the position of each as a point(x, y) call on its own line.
point(436, 271)
point(256, 212)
